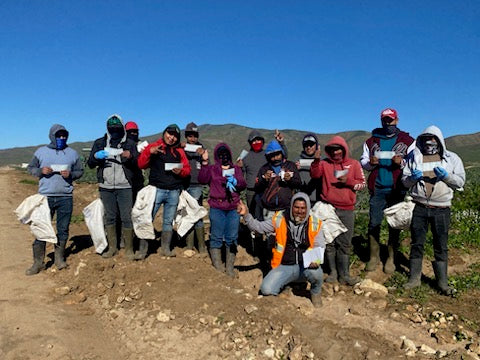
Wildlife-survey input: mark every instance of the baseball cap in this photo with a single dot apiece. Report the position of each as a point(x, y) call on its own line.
point(390, 113)
point(131, 125)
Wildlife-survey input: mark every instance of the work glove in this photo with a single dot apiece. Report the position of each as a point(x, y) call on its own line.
point(101, 154)
point(417, 174)
point(440, 172)
point(231, 182)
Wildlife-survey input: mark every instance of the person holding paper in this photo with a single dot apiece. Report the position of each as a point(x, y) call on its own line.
point(309, 185)
point(226, 182)
point(341, 177)
point(57, 166)
point(115, 157)
point(132, 130)
point(432, 173)
point(296, 233)
point(383, 155)
point(169, 167)
point(194, 150)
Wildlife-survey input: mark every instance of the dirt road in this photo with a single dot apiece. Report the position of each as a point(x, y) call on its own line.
point(173, 308)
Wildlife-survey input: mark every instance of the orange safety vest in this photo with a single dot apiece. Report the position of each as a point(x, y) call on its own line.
point(280, 225)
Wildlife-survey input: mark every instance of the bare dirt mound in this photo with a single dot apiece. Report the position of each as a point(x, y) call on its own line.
point(173, 308)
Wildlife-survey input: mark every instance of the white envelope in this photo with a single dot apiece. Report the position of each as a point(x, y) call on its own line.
point(59, 167)
point(384, 154)
point(429, 166)
point(142, 146)
point(242, 155)
point(305, 163)
point(171, 166)
point(192, 147)
point(340, 173)
point(113, 151)
point(228, 172)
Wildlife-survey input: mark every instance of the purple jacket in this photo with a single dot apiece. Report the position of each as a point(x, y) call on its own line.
point(220, 198)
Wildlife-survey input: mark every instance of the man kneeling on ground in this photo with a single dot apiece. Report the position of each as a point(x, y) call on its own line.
point(295, 232)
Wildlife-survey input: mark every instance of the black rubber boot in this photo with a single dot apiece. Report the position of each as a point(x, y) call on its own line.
point(60, 255)
point(166, 241)
point(331, 262)
point(127, 234)
point(38, 248)
point(200, 234)
point(216, 256)
point(316, 300)
point(440, 270)
point(190, 239)
point(111, 231)
point(415, 277)
point(374, 253)
point(343, 266)
point(230, 261)
point(141, 254)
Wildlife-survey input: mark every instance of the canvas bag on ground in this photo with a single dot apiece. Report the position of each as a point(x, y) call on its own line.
point(34, 210)
point(188, 213)
point(332, 226)
point(93, 214)
point(142, 213)
point(399, 216)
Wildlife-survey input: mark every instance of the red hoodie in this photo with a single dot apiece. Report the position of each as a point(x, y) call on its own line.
point(340, 195)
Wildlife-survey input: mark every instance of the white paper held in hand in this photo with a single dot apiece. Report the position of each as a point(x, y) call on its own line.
point(384, 154)
point(305, 163)
point(192, 147)
point(171, 166)
point(59, 167)
point(340, 173)
point(113, 151)
point(313, 255)
point(227, 172)
point(242, 155)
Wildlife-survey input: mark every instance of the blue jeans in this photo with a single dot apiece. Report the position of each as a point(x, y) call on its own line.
point(282, 275)
point(197, 193)
point(223, 226)
point(169, 199)
point(63, 207)
point(117, 201)
point(379, 201)
point(439, 220)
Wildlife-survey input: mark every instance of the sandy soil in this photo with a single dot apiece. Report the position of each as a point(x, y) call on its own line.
point(181, 307)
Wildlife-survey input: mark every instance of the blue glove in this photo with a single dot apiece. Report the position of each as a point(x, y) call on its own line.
point(417, 174)
point(440, 172)
point(231, 182)
point(101, 154)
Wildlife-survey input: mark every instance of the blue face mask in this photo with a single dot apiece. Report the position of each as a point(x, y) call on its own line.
point(61, 143)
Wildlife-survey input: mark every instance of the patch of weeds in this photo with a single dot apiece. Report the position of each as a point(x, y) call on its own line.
point(28, 182)
point(467, 281)
point(220, 319)
point(75, 219)
point(420, 294)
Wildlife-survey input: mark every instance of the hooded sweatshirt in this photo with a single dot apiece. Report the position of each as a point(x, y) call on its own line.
point(159, 177)
point(115, 171)
point(277, 192)
point(442, 193)
point(55, 184)
point(340, 195)
point(309, 185)
point(212, 174)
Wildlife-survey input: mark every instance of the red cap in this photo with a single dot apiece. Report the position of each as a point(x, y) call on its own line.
point(391, 113)
point(131, 125)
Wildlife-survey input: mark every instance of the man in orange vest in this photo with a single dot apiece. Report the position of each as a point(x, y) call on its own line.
point(299, 247)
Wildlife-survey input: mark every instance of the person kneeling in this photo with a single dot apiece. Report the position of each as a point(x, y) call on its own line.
point(295, 233)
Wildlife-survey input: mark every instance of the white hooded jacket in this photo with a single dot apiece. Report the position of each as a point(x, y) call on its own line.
point(442, 193)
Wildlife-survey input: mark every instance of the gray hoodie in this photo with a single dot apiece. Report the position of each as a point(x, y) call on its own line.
point(442, 193)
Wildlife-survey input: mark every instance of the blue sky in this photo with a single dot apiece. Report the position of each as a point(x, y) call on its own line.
point(322, 66)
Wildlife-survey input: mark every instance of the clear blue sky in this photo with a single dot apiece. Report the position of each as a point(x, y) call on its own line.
point(323, 66)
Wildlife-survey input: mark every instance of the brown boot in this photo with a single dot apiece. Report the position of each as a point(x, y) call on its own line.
point(316, 300)
point(128, 236)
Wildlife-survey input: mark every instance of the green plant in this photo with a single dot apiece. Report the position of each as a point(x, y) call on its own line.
point(467, 281)
point(75, 219)
point(28, 182)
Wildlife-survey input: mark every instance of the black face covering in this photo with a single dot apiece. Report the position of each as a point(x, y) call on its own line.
point(116, 132)
point(390, 129)
point(224, 156)
point(132, 134)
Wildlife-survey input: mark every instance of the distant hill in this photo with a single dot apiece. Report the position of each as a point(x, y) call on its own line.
point(467, 146)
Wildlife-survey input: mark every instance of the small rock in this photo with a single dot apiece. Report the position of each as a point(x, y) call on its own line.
point(270, 353)
point(203, 321)
point(120, 299)
point(416, 318)
point(80, 265)
point(230, 323)
point(358, 291)
point(216, 331)
point(336, 288)
point(411, 353)
point(250, 308)
point(369, 285)
point(296, 353)
point(63, 290)
point(425, 349)
point(437, 314)
point(50, 346)
point(162, 317)
point(394, 315)
point(441, 353)
point(408, 344)
point(410, 308)
point(109, 284)
point(286, 330)
point(189, 253)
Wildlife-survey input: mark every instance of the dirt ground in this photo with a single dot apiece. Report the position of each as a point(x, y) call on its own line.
point(176, 308)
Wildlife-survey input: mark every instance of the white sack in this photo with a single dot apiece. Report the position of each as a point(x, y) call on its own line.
point(399, 216)
point(142, 213)
point(332, 226)
point(34, 211)
point(188, 213)
point(93, 214)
